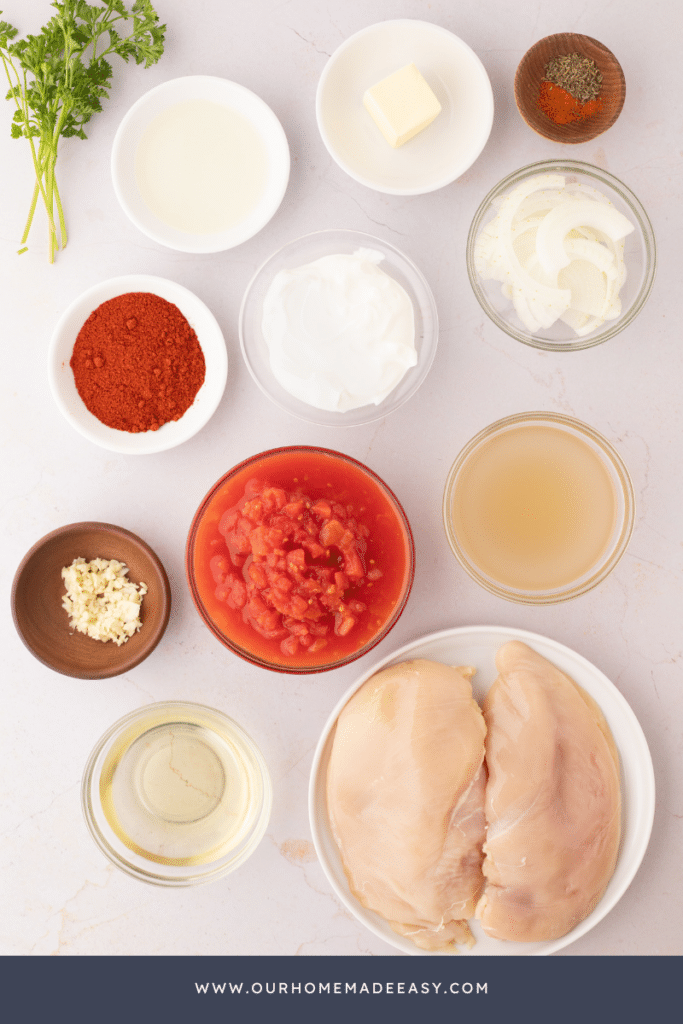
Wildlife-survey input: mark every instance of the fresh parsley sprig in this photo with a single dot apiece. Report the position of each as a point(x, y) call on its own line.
point(56, 88)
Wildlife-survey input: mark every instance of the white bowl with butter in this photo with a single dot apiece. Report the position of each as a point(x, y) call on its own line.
point(338, 328)
point(200, 164)
point(352, 103)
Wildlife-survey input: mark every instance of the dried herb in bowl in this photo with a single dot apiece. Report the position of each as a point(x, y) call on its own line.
point(56, 89)
point(570, 89)
point(579, 76)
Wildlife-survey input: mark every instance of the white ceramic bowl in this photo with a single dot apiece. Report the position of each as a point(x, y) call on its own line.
point(305, 250)
point(477, 645)
point(61, 377)
point(440, 153)
point(235, 98)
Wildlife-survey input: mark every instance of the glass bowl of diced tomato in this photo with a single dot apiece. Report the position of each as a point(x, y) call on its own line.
point(300, 559)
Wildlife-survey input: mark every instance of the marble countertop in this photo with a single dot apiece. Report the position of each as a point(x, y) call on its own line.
point(60, 896)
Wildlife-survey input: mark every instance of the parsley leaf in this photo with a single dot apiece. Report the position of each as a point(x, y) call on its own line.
point(59, 78)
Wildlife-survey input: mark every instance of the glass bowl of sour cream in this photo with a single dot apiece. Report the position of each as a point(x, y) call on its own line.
point(561, 255)
point(338, 328)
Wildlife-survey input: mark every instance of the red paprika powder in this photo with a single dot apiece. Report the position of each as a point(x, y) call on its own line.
point(137, 363)
point(561, 107)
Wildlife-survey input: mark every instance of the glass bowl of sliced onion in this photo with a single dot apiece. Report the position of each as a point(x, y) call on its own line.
point(561, 255)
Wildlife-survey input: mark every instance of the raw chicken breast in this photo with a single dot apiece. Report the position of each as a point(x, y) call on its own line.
point(552, 801)
point(405, 796)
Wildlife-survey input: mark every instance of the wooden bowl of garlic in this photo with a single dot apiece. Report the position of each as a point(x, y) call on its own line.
point(127, 606)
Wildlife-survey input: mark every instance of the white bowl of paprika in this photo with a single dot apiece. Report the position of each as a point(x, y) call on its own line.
point(137, 364)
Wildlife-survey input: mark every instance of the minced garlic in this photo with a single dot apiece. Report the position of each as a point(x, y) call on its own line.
point(100, 601)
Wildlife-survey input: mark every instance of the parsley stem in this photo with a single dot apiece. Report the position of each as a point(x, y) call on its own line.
point(29, 220)
point(65, 89)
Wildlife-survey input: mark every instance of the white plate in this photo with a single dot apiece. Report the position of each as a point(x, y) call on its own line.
point(63, 386)
point(440, 153)
point(217, 90)
point(478, 645)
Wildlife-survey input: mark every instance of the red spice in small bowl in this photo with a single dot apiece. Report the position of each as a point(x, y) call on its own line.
point(137, 363)
point(300, 559)
point(554, 117)
point(562, 108)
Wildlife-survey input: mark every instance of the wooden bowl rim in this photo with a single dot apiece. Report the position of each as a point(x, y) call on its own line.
point(120, 660)
point(576, 131)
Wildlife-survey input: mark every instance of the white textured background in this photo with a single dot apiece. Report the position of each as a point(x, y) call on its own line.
point(59, 895)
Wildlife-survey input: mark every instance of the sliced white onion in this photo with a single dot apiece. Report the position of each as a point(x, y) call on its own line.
point(558, 253)
point(588, 285)
point(599, 255)
point(567, 217)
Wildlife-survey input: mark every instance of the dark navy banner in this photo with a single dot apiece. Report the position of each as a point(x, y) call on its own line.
point(191, 990)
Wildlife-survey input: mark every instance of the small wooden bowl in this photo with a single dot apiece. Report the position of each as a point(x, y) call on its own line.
point(42, 622)
point(531, 72)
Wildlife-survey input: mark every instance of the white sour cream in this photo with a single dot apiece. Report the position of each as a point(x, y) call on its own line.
point(340, 332)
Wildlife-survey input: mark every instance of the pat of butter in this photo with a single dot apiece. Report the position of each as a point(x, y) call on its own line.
point(401, 105)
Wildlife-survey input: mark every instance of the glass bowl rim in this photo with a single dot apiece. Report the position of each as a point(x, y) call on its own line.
point(635, 207)
point(151, 877)
point(623, 529)
point(254, 659)
point(310, 414)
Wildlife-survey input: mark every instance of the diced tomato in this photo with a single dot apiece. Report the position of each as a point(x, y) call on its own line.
point(299, 606)
point(227, 521)
point(353, 567)
point(296, 561)
point(289, 645)
point(238, 594)
point(219, 567)
point(309, 587)
point(281, 582)
point(258, 575)
point(233, 591)
point(343, 623)
point(296, 568)
point(264, 539)
point(282, 522)
point(262, 617)
point(294, 509)
point(341, 581)
point(253, 510)
point(321, 508)
point(314, 549)
point(274, 497)
point(331, 533)
point(296, 628)
point(318, 628)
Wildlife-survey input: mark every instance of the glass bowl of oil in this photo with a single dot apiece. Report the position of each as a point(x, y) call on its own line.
point(538, 508)
point(176, 794)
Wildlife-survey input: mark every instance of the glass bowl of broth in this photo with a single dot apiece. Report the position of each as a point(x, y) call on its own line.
point(538, 508)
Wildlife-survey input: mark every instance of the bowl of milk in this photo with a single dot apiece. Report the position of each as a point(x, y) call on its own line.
point(200, 164)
